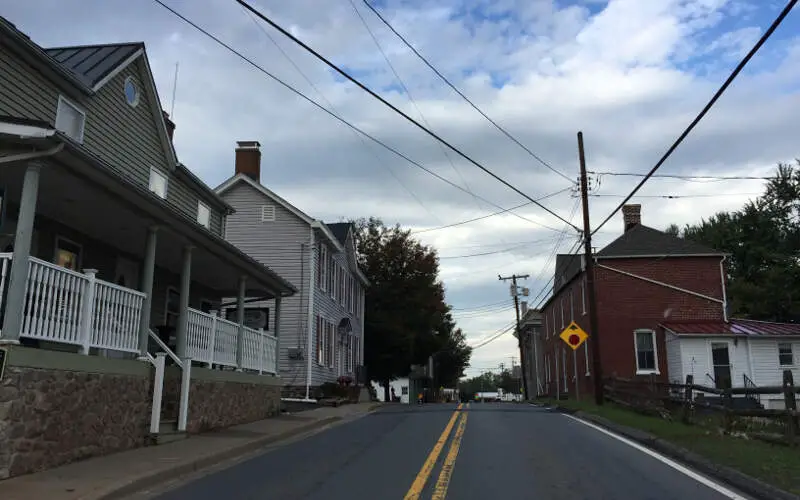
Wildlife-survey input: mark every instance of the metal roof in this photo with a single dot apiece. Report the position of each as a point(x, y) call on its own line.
point(91, 63)
point(340, 229)
point(734, 327)
point(648, 242)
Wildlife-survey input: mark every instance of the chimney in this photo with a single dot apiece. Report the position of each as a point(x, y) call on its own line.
point(170, 125)
point(632, 216)
point(248, 159)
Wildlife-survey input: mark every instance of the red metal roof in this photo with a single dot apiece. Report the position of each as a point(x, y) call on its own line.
point(734, 327)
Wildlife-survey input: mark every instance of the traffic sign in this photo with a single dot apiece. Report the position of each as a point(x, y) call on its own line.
point(574, 335)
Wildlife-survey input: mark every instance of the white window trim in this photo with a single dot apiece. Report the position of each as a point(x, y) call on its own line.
point(135, 86)
point(639, 371)
point(200, 206)
point(323, 265)
point(80, 111)
point(156, 172)
point(791, 351)
point(583, 294)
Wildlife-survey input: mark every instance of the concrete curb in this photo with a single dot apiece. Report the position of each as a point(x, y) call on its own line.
point(744, 483)
point(171, 472)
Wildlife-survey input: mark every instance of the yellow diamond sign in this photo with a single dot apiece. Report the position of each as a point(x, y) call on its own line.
point(574, 335)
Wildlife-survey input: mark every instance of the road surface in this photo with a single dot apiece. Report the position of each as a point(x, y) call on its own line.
point(480, 451)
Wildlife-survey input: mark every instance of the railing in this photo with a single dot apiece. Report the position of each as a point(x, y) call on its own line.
point(213, 340)
point(75, 308)
point(752, 388)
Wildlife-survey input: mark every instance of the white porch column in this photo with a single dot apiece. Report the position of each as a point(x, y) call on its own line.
point(18, 276)
point(146, 286)
point(277, 333)
point(240, 321)
point(183, 312)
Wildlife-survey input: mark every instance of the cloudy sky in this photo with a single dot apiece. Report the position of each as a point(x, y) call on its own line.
point(629, 73)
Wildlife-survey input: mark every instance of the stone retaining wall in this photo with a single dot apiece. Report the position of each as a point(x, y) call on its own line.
point(219, 399)
point(58, 407)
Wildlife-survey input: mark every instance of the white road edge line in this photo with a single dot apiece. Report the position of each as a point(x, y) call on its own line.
point(668, 461)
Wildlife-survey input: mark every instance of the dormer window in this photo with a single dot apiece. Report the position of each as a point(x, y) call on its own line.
point(131, 89)
point(70, 119)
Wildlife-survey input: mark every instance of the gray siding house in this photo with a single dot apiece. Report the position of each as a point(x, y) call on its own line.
point(322, 326)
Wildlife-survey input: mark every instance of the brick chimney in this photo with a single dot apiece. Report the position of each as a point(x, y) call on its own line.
point(248, 159)
point(632, 216)
point(170, 125)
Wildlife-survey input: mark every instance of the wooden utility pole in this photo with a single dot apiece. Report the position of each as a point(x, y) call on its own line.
point(594, 331)
point(515, 294)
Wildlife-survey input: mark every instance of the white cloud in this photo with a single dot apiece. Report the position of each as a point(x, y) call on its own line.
point(630, 74)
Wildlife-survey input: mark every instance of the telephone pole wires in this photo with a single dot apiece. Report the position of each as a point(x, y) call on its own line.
point(594, 331)
point(515, 295)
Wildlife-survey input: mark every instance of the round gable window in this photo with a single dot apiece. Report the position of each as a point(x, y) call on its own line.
point(131, 91)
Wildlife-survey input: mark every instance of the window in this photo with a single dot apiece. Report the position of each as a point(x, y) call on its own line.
point(404, 390)
point(322, 267)
point(267, 213)
point(158, 183)
point(331, 274)
point(206, 306)
point(646, 358)
point(341, 286)
point(785, 355)
point(203, 214)
point(331, 340)
point(320, 339)
point(68, 254)
point(70, 119)
point(172, 309)
point(131, 90)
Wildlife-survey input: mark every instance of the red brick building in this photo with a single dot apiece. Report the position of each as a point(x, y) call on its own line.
point(642, 279)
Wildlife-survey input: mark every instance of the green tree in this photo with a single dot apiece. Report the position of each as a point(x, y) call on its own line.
point(453, 353)
point(763, 240)
point(406, 315)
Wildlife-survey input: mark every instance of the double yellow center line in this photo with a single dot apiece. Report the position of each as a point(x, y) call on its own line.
point(440, 490)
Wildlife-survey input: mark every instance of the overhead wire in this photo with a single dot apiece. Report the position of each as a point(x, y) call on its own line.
point(675, 196)
point(728, 81)
point(463, 96)
point(394, 108)
point(333, 108)
point(332, 114)
point(686, 177)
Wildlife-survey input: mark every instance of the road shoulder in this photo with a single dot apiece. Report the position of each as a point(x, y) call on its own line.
point(743, 482)
point(122, 474)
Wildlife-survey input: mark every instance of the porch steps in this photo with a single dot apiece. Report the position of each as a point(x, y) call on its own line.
point(167, 433)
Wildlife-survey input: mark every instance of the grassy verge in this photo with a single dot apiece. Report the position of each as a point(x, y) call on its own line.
point(773, 464)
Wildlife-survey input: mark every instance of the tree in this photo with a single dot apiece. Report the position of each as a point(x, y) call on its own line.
point(406, 318)
point(453, 354)
point(763, 240)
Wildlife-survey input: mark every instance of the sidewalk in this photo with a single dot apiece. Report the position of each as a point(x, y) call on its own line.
point(120, 474)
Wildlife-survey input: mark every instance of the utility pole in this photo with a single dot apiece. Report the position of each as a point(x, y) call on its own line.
point(594, 331)
point(515, 294)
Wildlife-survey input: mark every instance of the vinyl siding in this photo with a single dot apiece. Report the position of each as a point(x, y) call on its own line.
point(674, 364)
point(283, 246)
point(767, 371)
point(24, 92)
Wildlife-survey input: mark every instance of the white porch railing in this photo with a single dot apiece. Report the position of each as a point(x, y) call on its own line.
point(213, 340)
point(75, 308)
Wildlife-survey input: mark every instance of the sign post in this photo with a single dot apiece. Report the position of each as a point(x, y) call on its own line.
point(574, 336)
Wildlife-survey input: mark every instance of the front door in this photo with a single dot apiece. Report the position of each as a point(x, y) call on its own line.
point(721, 361)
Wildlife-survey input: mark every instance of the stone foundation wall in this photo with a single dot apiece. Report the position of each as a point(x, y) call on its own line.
point(58, 407)
point(220, 399)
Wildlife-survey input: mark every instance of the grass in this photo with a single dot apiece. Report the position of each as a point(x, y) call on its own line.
point(773, 464)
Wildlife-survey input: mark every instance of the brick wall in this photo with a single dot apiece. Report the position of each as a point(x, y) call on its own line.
point(626, 304)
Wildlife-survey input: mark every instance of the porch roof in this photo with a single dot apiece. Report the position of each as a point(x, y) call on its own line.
point(142, 203)
point(739, 327)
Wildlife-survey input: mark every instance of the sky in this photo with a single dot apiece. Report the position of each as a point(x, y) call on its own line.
point(629, 74)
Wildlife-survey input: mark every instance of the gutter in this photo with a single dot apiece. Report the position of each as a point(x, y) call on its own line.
point(724, 291)
point(32, 155)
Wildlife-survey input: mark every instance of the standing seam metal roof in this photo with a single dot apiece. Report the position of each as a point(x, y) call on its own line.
point(91, 63)
point(734, 327)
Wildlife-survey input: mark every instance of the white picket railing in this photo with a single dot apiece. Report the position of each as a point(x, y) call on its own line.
point(213, 340)
point(75, 308)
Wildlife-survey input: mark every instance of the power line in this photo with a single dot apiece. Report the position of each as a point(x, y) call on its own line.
point(767, 34)
point(394, 108)
point(463, 96)
point(333, 108)
point(489, 341)
point(505, 302)
point(503, 250)
point(332, 114)
point(505, 210)
point(687, 177)
point(676, 196)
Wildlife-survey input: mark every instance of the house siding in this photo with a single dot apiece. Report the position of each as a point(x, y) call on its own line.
point(24, 92)
point(625, 304)
point(675, 369)
point(283, 245)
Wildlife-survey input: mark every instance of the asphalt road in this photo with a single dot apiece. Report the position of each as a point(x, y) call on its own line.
point(490, 450)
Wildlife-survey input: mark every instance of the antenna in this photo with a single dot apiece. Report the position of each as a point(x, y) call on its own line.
point(174, 89)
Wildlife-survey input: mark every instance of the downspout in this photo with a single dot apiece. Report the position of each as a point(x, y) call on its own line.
point(724, 291)
point(311, 293)
point(31, 156)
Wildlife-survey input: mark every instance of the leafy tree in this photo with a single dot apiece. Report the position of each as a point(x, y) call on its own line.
point(406, 319)
point(763, 240)
point(453, 353)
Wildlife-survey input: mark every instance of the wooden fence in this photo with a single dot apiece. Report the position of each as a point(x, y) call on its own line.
point(692, 405)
